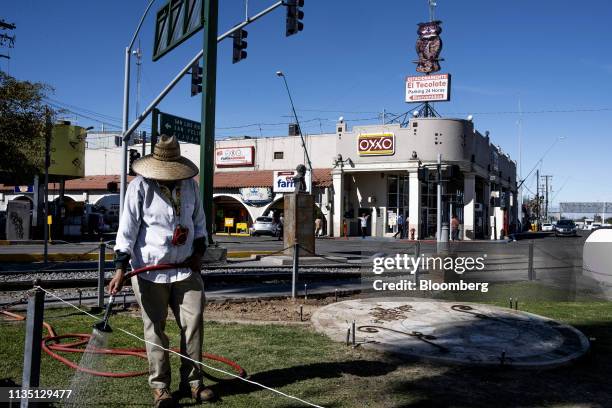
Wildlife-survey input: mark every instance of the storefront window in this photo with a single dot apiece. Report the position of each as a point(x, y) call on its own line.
point(397, 200)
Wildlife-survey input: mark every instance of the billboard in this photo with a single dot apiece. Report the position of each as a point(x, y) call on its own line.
point(428, 88)
point(235, 156)
point(67, 151)
point(283, 181)
point(376, 144)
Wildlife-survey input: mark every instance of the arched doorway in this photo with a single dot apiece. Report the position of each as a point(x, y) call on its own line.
point(275, 208)
point(109, 205)
point(25, 198)
point(226, 206)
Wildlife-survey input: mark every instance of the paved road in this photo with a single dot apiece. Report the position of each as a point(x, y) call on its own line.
point(554, 258)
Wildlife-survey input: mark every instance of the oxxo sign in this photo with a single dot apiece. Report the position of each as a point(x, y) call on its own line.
point(376, 144)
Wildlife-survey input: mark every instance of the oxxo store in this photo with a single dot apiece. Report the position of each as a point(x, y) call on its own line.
point(384, 171)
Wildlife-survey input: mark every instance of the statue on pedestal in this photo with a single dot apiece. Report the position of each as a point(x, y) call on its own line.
point(299, 181)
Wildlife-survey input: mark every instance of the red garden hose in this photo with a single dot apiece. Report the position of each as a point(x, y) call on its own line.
point(52, 344)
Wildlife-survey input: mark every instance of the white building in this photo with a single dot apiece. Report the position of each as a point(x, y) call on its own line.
point(367, 169)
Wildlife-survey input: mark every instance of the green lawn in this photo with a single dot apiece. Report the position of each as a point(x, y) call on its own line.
point(298, 361)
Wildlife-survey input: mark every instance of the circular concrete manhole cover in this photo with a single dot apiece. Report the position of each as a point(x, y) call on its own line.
point(453, 332)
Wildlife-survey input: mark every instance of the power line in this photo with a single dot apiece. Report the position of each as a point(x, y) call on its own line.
point(533, 112)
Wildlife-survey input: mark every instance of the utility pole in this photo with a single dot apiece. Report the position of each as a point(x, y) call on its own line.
point(546, 187)
point(520, 161)
point(7, 39)
point(207, 132)
point(439, 200)
point(538, 199)
point(125, 130)
point(45, 223)
point(138, 54)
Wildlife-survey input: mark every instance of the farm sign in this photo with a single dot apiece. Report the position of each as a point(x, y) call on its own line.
point(376, 144)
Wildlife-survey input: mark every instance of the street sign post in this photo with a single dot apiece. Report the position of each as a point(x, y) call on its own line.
point(185, 130)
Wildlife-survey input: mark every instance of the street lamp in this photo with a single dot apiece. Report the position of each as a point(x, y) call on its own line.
point(282, 75)
point(126, 110)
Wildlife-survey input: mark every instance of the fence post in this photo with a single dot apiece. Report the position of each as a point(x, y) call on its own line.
point(101, 263)
point(530, 270)
point(32, 348)
point(296, 261)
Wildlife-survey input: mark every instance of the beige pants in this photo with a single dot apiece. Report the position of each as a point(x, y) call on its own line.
point(186, 299)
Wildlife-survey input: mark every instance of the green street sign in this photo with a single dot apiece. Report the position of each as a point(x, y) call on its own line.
point(176, 21)
point(185, 130)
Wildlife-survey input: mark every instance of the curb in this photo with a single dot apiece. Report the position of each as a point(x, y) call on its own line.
point(63, 257)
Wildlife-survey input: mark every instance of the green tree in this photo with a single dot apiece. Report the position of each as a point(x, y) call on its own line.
point(22, 125)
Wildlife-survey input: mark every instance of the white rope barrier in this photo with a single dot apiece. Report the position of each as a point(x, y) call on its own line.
point(183, 356)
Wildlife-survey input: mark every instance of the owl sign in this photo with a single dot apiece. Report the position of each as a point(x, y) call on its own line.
point(428, 47)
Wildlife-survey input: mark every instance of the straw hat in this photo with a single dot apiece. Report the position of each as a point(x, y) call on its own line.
point(166, 162)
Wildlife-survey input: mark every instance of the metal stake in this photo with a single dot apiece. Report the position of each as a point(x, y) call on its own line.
point(301, 313)
point(32, 349)
point(101, 262)
point(80, 296)
point(353, 332)
point(294, 275)
point(530, 270)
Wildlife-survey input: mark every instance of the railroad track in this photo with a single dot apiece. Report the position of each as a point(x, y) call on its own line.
point(71, 278)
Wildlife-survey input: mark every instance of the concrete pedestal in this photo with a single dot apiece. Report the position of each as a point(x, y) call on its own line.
point(298, 225)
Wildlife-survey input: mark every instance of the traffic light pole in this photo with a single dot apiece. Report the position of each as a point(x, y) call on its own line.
point(209, 93)
point(141, 118)
point(204, 192)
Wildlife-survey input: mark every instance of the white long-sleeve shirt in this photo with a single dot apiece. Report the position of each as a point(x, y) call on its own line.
point(147, 225)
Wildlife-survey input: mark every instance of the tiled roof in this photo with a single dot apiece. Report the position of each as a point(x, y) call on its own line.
point(263, 178)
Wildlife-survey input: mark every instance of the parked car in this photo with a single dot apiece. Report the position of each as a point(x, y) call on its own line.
point(602, 226)
point(566, 228)
point(547, 227)
point(265, 226)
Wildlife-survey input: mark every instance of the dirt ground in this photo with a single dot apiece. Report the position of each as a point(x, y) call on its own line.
point(273, 310)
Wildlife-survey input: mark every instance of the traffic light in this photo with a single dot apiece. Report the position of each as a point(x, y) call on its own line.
point(196, 79)
point(294, 17)
point(134, 155)
point(240, 45)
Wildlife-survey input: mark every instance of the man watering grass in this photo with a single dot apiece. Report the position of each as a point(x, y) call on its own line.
point(163, 223)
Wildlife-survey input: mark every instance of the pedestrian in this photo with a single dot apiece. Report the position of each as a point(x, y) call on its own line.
point(281, 226)
point(400, 227)
point(364, 224)
point(318, 227)
point(454, 228)
point(163, 223)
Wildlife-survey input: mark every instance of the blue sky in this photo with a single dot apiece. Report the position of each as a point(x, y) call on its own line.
point(351, 60)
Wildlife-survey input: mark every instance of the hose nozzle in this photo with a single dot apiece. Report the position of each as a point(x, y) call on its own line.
point(103, 325)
